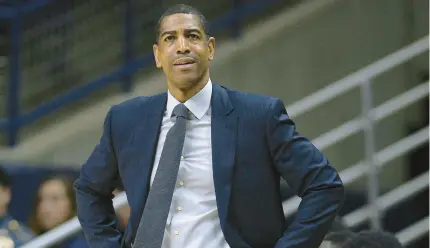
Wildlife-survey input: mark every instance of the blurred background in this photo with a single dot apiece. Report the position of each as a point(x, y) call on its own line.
point(353, 74)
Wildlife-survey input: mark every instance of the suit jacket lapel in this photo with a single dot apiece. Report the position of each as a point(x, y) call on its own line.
point(147, 136)
point(223, 131)
point(145, 139)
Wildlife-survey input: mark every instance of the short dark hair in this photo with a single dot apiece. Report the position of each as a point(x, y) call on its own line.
point(182, 9)
point(338, 225)
point(373, 239)
point(5, 179)
point(339, 237)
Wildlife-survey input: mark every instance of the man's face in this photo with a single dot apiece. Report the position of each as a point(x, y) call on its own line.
point(183, 50)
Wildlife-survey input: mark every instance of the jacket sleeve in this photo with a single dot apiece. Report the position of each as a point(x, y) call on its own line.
point(77, 242)
point(94, 192)
point(309, 175)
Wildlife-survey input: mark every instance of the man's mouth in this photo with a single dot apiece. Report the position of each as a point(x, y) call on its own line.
point(184, 62)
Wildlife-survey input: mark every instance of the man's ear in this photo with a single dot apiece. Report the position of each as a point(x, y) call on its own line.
point(156, 55)
point(211, 46)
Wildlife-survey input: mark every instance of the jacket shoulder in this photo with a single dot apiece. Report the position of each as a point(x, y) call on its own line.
point(246, 100)
point(138, 104)
point(131, 103)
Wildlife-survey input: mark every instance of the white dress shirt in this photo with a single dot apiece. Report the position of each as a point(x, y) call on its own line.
point(193, 218)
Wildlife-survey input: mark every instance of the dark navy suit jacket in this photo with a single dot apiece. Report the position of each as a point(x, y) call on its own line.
point(77, 241)
point(254, 143)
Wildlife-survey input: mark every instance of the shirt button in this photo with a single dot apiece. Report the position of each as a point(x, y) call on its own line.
point(181, 183)
point(182, 158)
point(180, 208)
point(176, 233)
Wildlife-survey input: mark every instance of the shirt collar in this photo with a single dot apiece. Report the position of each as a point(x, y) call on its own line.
point(198, 104)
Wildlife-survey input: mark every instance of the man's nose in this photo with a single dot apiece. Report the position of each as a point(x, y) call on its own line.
point(183, 45)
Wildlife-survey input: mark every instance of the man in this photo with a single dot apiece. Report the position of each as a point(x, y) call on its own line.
point(12, 232)
point(201, 164)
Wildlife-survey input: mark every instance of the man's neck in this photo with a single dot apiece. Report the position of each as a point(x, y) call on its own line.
point(182, 95)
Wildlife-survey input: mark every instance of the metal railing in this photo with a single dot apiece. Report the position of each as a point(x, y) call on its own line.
point(413, 232)
point(358, 170)
point(357, 78)
point(395, 196)
point(374, 160)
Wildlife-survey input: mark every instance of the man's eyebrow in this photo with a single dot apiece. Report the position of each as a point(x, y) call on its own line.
point(167, 32)
point(188, 30)
point(192, 30)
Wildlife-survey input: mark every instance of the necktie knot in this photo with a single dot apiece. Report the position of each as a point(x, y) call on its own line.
point(180, 111)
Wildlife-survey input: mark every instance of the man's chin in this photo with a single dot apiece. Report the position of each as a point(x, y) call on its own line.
point(186, 81)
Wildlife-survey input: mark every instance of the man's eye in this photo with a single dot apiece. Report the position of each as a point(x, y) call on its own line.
point(169, 38)
point(193, 36)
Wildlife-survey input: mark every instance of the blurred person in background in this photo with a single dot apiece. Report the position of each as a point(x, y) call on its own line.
point(373, 239)
point(12, 232)
point(336, 239)
point(201, 164)
point(338, 225)
point(338, 234)
point(55, 204)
